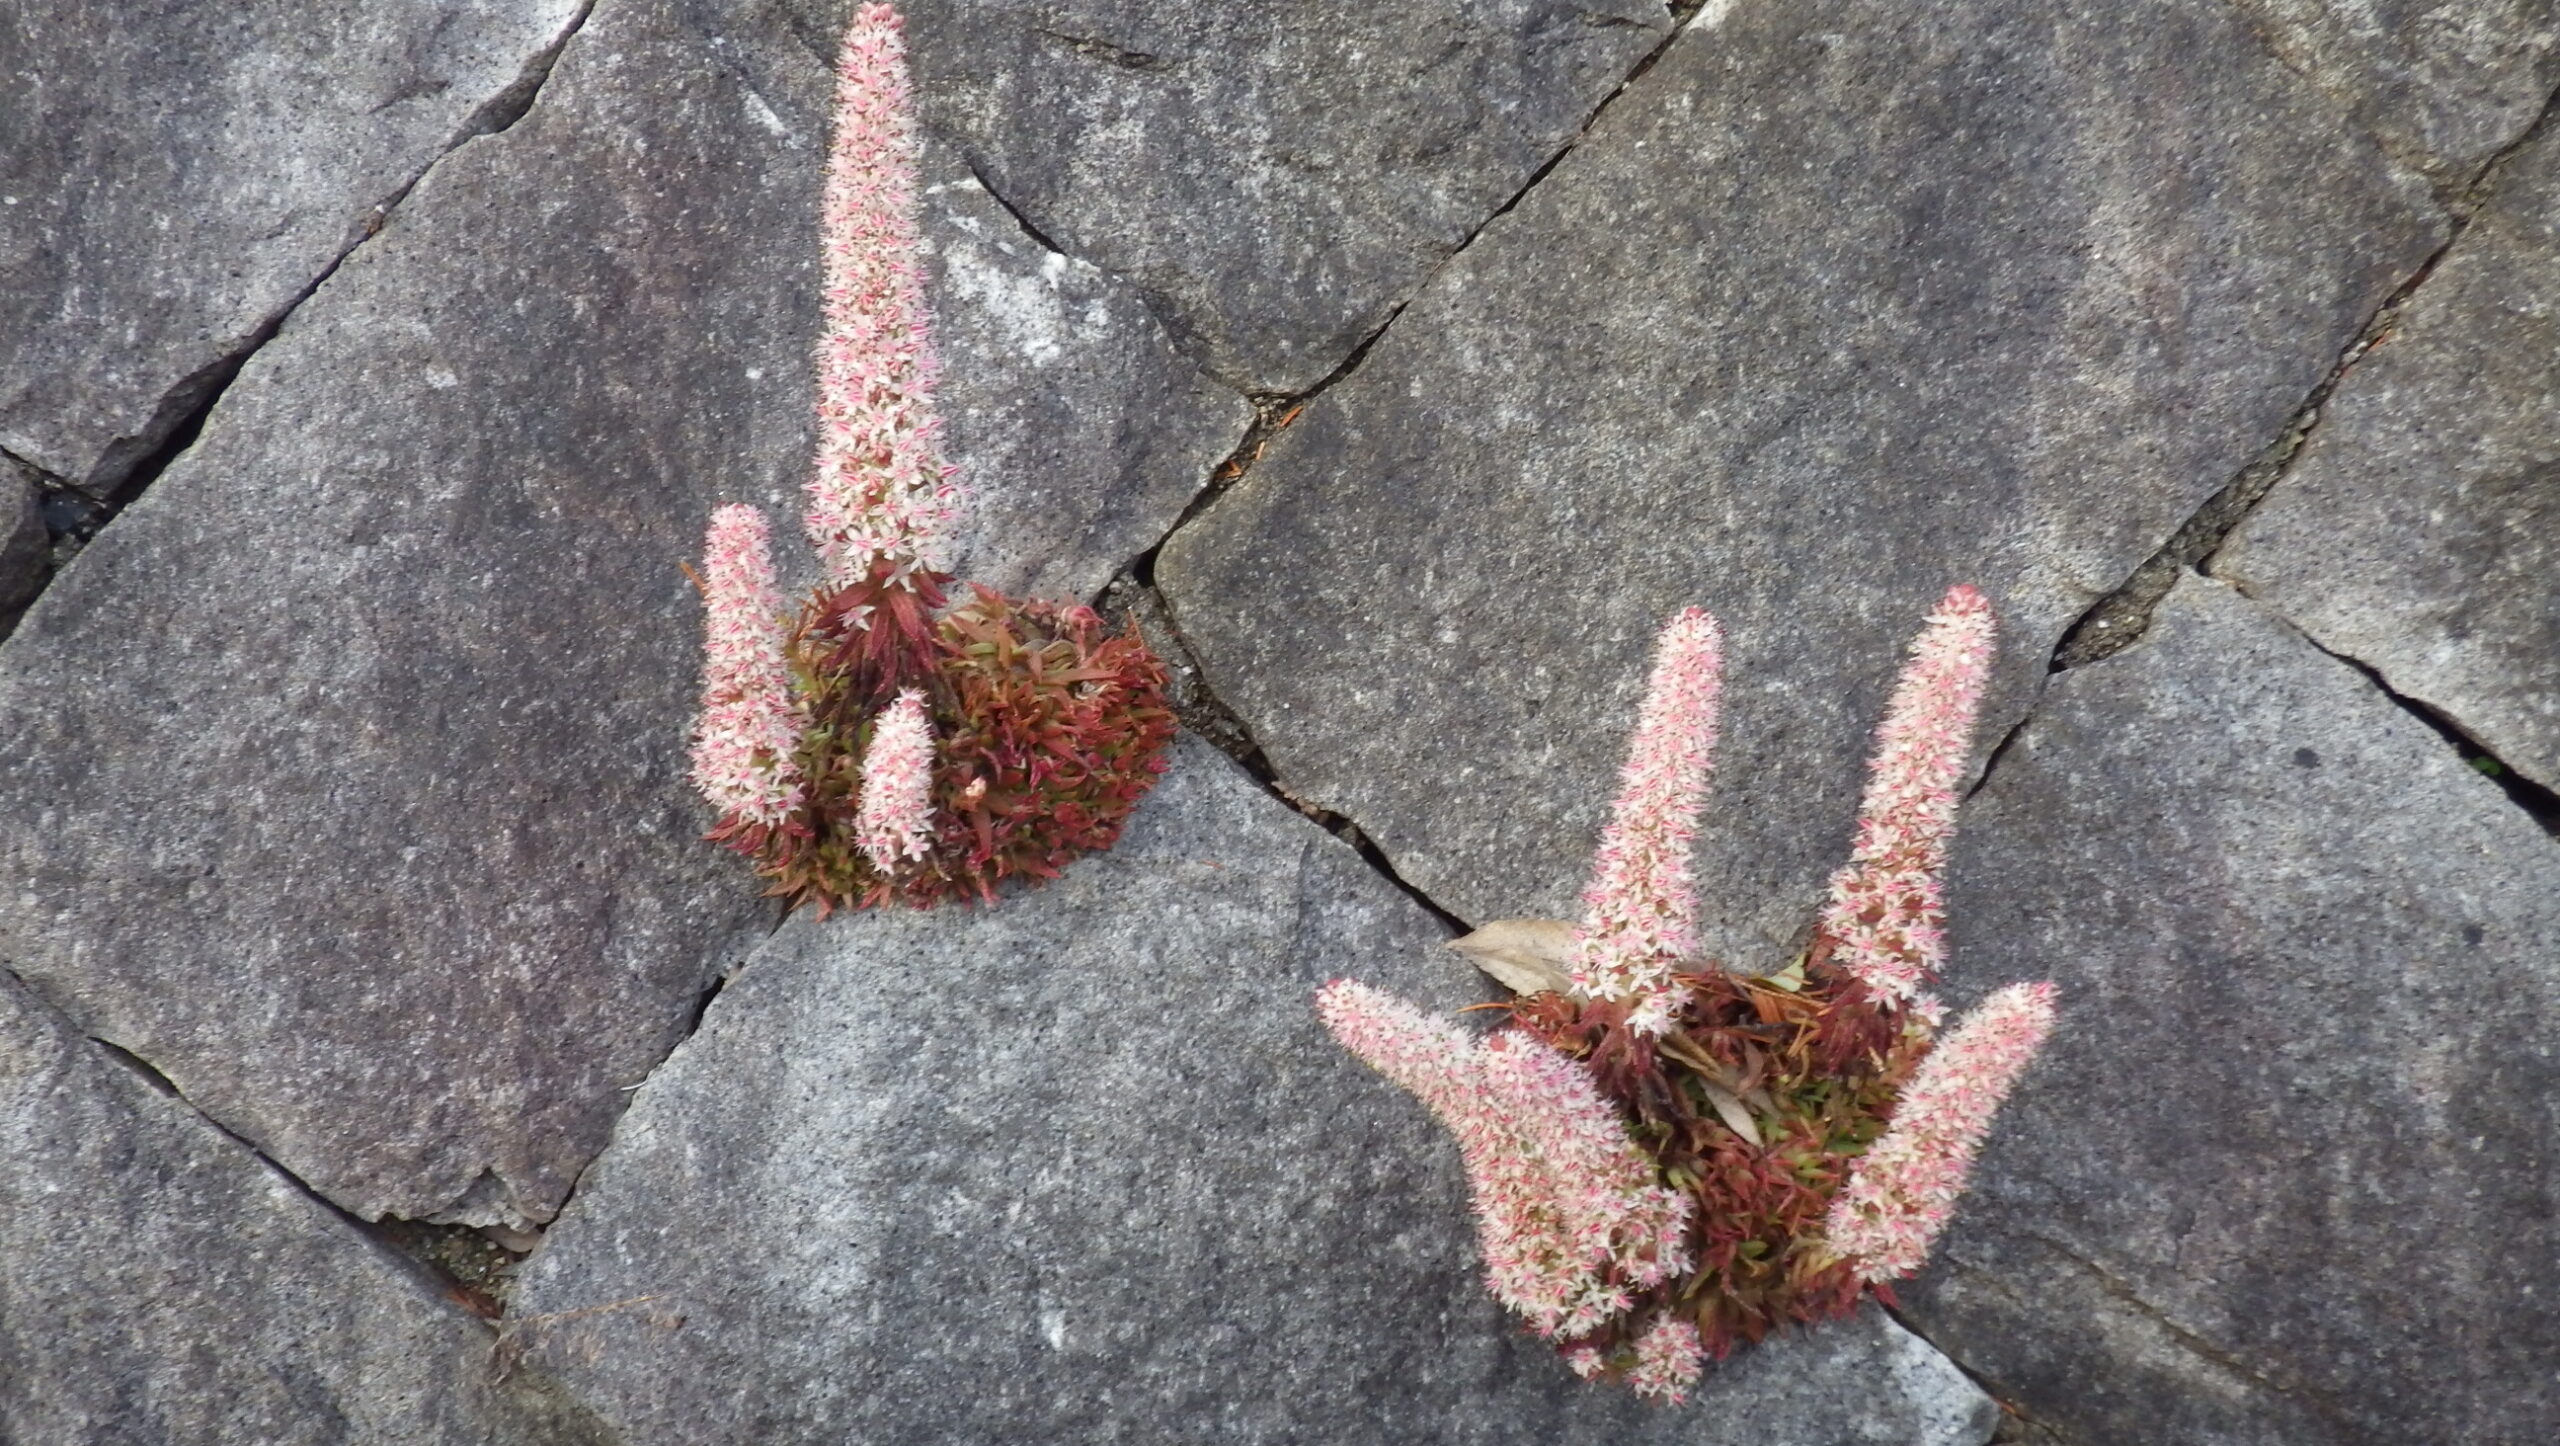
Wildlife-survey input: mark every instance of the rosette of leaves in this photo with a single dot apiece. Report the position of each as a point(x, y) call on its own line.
point(1048, 730)
point(1756, 1100)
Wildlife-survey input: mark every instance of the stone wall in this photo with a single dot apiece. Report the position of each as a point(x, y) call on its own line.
point(383, 1057)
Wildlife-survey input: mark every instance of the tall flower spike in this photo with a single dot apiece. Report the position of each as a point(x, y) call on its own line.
point(1903, 1189)
point(894, 822)
point(1567, 1209)
point(1887, 917)
point(746, 742)
point(881, 489)
point(1641, 917)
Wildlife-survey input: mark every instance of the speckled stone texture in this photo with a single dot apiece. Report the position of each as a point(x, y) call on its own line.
point(2287, 1171)
point(1838, 305)
point(2419, 531)
point(173, 178)
point(1084, 1167)
point(1078, 429)
point(1274, 177)
point(161, 1286)
point(342, 773)
point(2441, 84)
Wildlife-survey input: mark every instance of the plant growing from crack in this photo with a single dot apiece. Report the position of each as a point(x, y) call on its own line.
point(1668, 1159)
point(884, 743)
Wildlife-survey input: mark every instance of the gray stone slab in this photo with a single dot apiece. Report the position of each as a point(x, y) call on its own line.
point(1080, 431)
point(1273, 177)
point(160, 1286)
point(2286, 1173)
point(1084, 1167)
point(2444, 84)
point(173, 177)
point(1836, 307)
point(345, 771)
point(2419, 529)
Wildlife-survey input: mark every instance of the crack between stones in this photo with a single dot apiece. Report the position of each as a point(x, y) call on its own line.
point(1682, 12)
point(75, 513)
point(2121, 617)
point(2118, 619)
point(2011, 1413)
point(2538, 803)
point(1142, 609)
point(693, 1025)
point(2122, 1292)
point(1107, 53)
point(979, 175)
point(420, 1248)
point(1133, 593)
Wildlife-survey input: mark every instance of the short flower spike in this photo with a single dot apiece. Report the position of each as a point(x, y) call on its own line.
point(895, 821)
point(1669, 1357)
point(1903, 1189)
point(746, 742)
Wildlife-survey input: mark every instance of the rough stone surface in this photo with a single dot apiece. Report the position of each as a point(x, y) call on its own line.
point(346, 768)
point(2287, 1172)
point(2419, 530)
point(1079, 429)
point(173, 177)
point(1084, 1167)
point(2443, 84)
point(1274, 177)
point(1836, 307)
point(159, 1286)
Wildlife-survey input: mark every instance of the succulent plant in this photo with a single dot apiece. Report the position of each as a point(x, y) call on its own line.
point(887, 745)
point(1812, 1125)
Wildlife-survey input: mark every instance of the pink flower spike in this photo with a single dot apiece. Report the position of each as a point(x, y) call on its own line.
point(881, 488)
point(1669, 1357)
point(1901, 1192)
point(894, 822)
point(746, 742)
point(1640, 918)
point(1568, 1213)
point(1886, 916)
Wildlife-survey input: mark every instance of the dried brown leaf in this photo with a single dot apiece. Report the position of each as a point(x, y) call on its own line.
point(1730, 1110)
point(1531, 956)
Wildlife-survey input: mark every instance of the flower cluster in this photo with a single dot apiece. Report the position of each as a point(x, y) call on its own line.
point(1568, 1211)
point(885, 745)
point(894, 822)
point(1814, 1131)
point(1642, 918)
point(1668, 1358)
